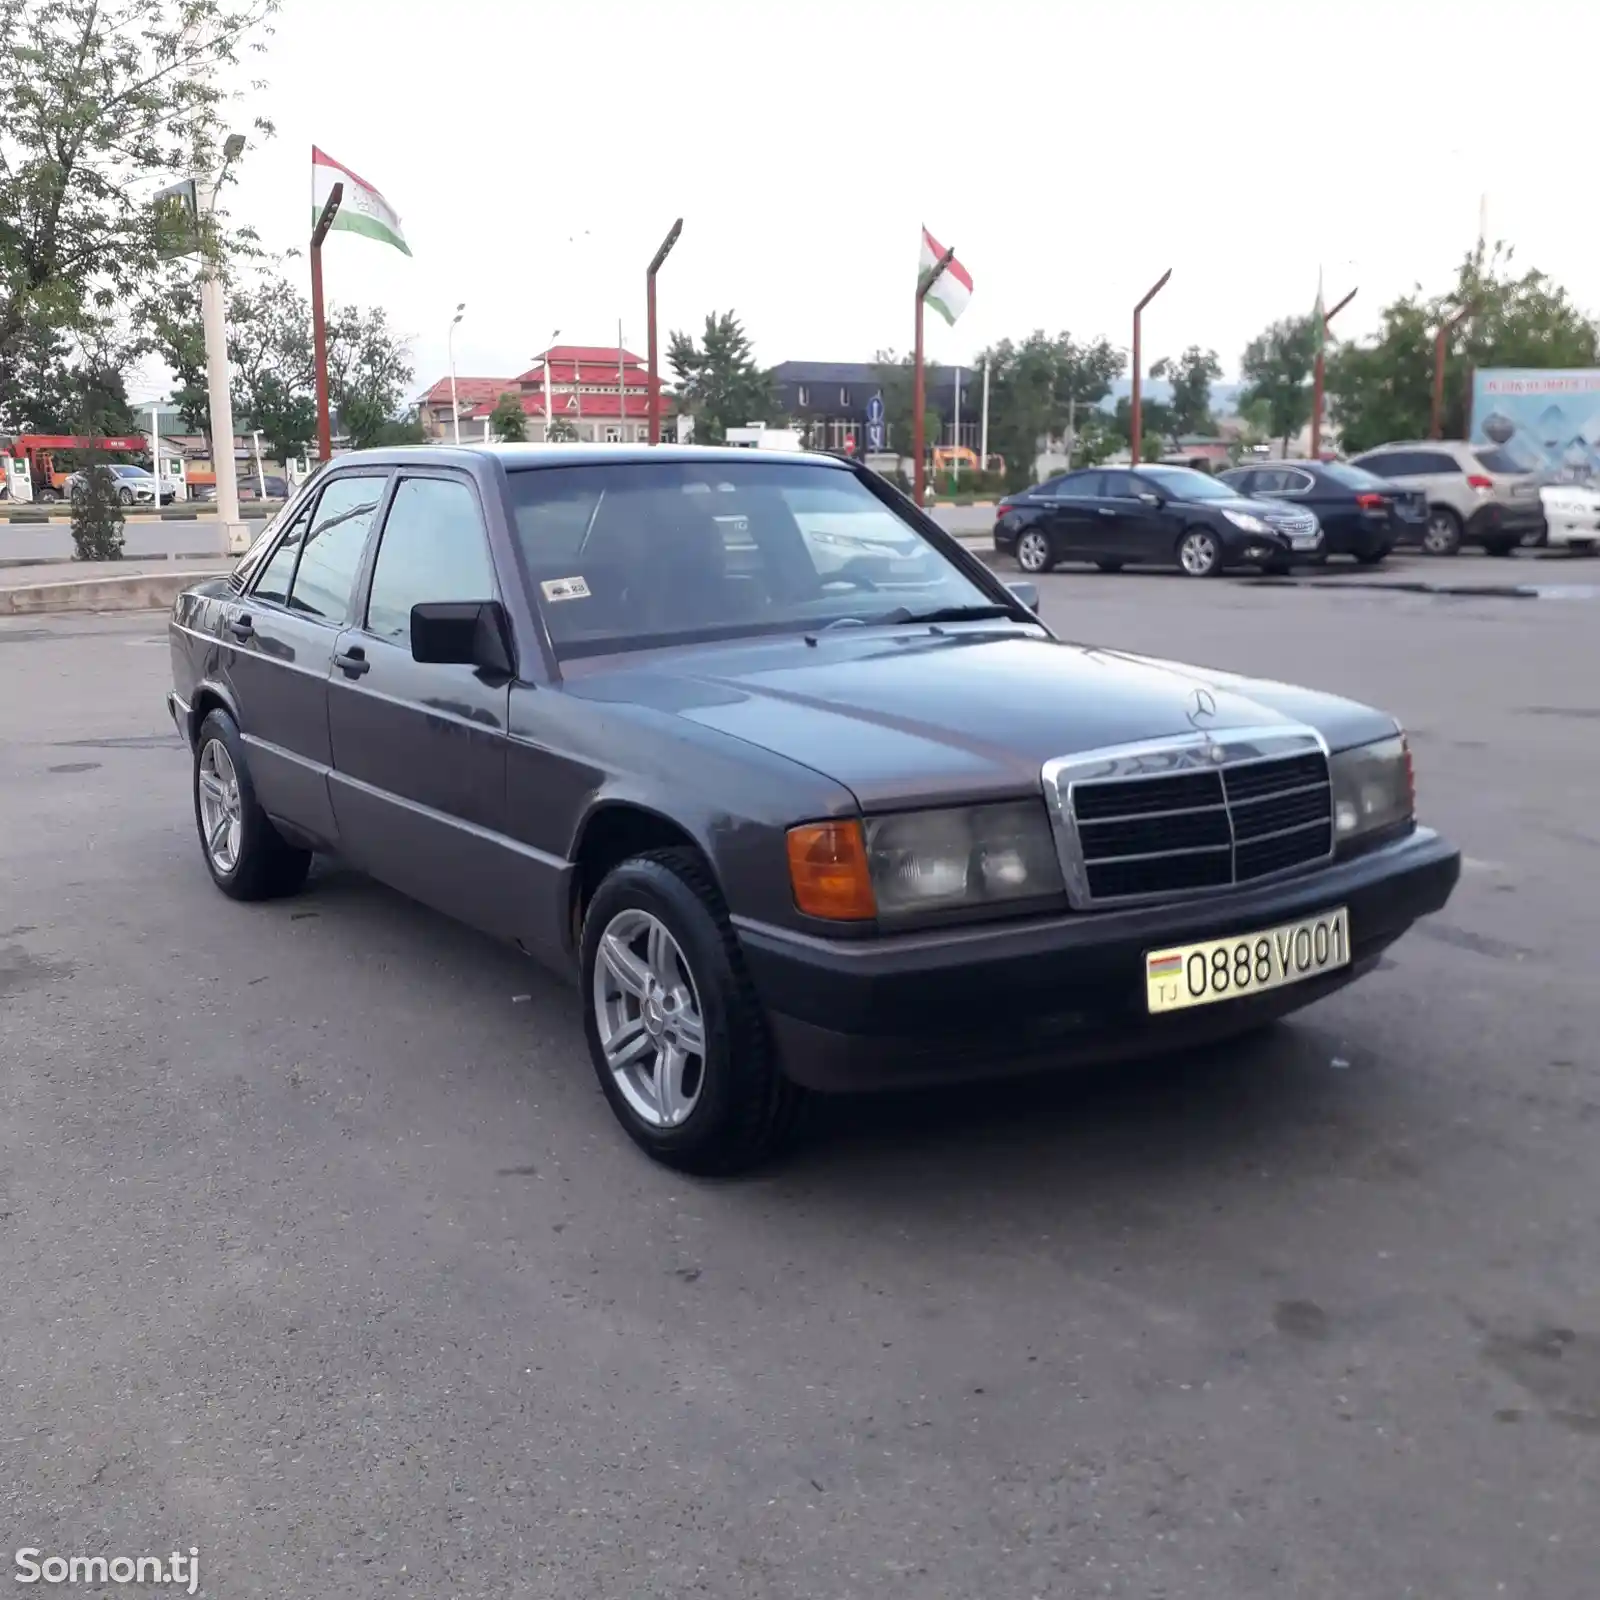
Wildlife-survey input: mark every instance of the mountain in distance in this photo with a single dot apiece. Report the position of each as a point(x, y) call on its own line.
point(1224, 396)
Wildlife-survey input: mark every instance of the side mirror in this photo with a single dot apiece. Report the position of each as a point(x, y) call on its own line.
point(1151, 498)
point(467, 633)
point(1027, 593)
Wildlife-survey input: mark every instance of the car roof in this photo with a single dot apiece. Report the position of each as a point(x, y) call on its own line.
point(1418, 444)
point(516, 457)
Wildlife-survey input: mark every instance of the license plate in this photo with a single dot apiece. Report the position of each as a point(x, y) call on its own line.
point(1246, 964)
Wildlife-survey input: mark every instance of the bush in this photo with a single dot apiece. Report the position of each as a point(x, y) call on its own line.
point(96, 516)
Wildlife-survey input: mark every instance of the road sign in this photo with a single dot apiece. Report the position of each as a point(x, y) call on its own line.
point(875, 431)
point(875, 409)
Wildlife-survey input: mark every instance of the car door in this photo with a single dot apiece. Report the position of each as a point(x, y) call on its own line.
point(419, 748)
point(1074, 502)
point(278, 640)
point(1120, 531)
point(1144, 525)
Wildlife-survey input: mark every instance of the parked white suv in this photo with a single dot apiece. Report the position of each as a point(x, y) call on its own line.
point(1477, 494)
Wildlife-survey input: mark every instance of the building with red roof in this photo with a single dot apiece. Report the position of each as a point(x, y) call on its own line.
point(433, 409)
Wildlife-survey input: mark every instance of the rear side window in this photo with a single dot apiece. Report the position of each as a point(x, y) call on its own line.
point(1392, 464)
point(1493, 460)
point(331, 555)
point(1436, 462)
point(1238, 480)
point(1081, 486)
point(434, 548)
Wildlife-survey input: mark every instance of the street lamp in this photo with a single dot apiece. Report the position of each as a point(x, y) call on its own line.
point(1136, 418)
point(650, 311)
point(455, 410)
point(1441, 343)
point(548, 416)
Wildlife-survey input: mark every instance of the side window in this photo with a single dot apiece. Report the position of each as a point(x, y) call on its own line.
point(1117, 486)
point(1391, 464)
point(331, 555)
point(1298, 482)
point(278, 574)
point(433, 548)
point(1243, 482)
point(1080, 486)
point(1436, 461)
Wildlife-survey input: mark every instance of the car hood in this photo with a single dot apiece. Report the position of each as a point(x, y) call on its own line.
point(904, 716)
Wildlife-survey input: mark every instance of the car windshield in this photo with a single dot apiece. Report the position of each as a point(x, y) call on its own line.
point(661, 552)
point(1342, 473)
point(130, 472)
point(1184, 483)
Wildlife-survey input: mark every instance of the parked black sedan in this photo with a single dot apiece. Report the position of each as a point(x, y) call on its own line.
point(1362, 515)
point(1155, 516)
point(792, 785)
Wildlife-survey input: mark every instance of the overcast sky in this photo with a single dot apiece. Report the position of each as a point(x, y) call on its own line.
point(1070, 150)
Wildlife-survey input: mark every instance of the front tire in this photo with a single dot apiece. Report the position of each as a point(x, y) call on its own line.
point(1034, 554)
point(124, 497)
point(247, 857)
point(1199, 554)
point(676, 1033)
point(1443, 535)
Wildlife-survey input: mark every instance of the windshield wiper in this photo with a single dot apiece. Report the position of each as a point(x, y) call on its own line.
point(947, 614)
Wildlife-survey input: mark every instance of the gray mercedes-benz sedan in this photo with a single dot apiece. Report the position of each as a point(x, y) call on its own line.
point(801, 794)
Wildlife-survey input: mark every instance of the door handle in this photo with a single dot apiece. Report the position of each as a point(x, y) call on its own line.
point(241, 628)
point(1105, 511)
point(352, 662)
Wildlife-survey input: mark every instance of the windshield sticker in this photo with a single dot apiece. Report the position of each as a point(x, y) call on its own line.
point(565, 589)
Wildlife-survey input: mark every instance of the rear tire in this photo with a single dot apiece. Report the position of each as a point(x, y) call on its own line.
point(1443, 534)
point(49, 496)
point(1035, 554)
point(676, 1033)
point(247, 857)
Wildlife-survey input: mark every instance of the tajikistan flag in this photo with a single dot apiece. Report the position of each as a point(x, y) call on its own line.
point(952, 289)
point(362, 210)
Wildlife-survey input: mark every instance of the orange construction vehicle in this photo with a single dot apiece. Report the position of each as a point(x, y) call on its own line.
point(39, 452)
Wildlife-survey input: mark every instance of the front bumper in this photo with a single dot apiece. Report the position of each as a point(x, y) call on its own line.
point(986, 1001)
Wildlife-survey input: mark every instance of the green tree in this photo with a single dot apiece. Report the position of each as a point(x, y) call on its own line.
point(1039, 389)
point(369, 371)
point(1156, 426)
point(560, 431)
point(719, 383)
point(897, 383)
point(97, 516)
point(1276, 367)
point(508, 420)
point(52, 378)
point(1191, 376)
point(1384, 389)
point(101, 97)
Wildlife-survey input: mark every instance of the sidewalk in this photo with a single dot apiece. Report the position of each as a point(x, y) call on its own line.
point(102, 585)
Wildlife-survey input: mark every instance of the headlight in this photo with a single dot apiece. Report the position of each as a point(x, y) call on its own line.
point(1372, 788)
point(974, 856)
point(1243, 519)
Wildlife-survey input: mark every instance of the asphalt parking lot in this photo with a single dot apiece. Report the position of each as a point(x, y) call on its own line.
point(324, 1256)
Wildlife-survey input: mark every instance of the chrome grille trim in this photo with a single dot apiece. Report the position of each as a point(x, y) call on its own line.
point(1227, 752)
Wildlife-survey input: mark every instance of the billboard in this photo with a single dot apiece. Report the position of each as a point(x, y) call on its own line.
point(1547, 419)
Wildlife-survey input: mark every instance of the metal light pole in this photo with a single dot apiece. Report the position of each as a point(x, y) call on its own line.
point(1441, 343)
point(1137, 416)
point(455, 410)
point(918, 395)
point(983, 430)
point(548, 415)
point(650, 298)
point(219, 395)
point(955, 460)
point(319, 321)
point(1319, 375)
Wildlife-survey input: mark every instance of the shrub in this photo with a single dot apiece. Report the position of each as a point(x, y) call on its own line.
point(96, 515)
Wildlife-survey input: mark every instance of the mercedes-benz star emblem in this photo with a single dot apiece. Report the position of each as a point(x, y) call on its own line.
point(1203, 704)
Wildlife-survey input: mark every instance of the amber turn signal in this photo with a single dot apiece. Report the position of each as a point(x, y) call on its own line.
point(828, 869)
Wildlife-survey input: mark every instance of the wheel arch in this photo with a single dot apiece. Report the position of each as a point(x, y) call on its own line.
point(612, 831)
point(209, 697)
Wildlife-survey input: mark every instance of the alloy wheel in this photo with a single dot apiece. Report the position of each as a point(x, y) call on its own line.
point(1441, 538)
point(647, 1012)
point(1198, 554)
point(1033, 551)
point(221, 806)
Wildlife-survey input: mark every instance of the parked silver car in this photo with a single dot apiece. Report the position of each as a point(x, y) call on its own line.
point(1477, 494)
point(134, 485)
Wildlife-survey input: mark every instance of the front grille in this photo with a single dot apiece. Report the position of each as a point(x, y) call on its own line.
point(1175, 833)
point(1292, 521)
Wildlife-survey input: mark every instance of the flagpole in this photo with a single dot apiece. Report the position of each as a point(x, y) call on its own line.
point(918, 394)
point(955, 438)
point(622, 392)
point(319, 321)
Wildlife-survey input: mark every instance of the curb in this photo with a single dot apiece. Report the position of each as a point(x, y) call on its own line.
point(1455, 591)
point(249, 511)
point(144, 591)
